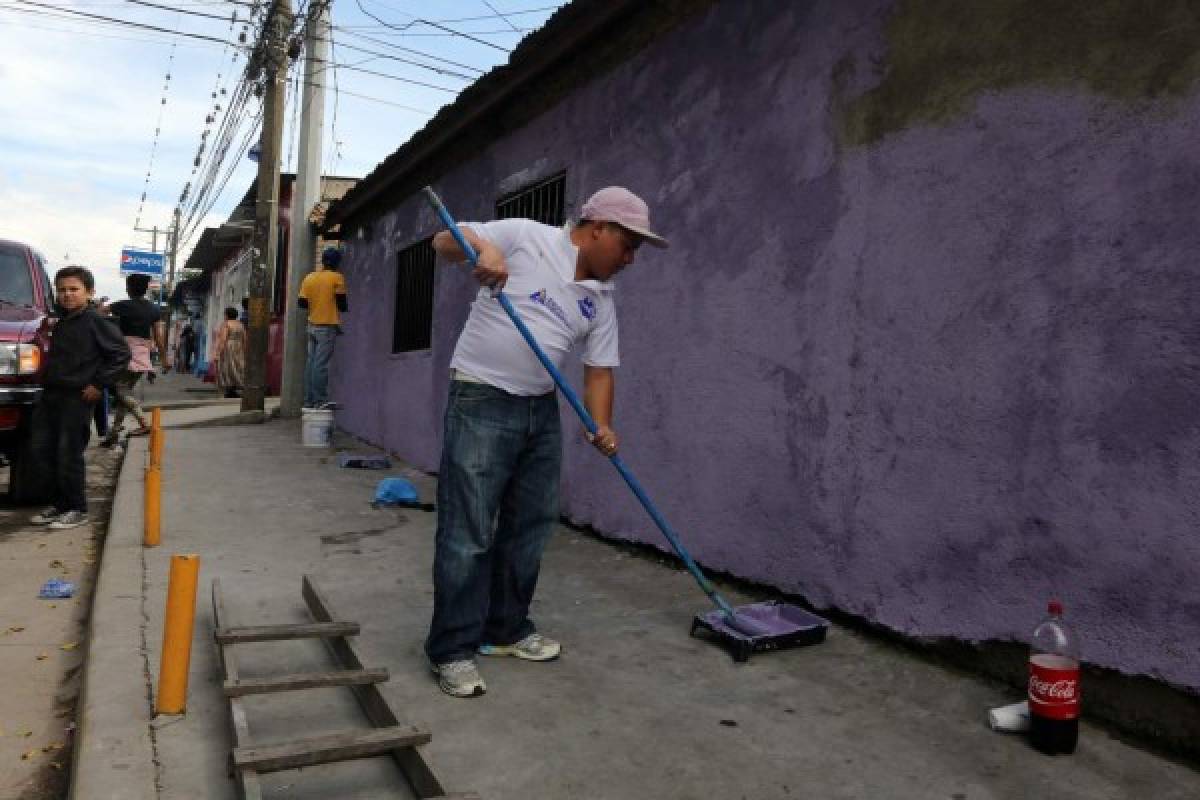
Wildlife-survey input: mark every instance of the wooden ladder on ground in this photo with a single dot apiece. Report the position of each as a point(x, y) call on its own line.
point(405, 743)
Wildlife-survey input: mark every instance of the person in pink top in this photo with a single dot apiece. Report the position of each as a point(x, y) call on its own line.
point(142, 327)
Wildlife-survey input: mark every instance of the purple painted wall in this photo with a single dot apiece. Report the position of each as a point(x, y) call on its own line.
point(932, 381)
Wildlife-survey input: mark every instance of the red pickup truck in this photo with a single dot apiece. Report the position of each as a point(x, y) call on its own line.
point(26, 299)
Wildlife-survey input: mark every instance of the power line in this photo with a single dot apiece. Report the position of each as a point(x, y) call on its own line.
point(182, 10)
point(218, 91)
point(422, 53)
point(433, 24)
point(392, 103)
point(432, 34)
point(365, 71)
point(438, 70)
point(137, 220)
point(47, 16)
point(501, 16)
point(334, 153)
point(130, 23)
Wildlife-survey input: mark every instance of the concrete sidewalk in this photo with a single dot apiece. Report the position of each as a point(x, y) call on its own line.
point(634, 708)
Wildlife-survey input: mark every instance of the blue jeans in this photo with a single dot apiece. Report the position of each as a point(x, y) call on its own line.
point(501, 457)
point(321, 339)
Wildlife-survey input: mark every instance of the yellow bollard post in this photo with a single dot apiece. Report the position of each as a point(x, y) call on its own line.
point(157, 436)
point(177, 635)
point(152, 533)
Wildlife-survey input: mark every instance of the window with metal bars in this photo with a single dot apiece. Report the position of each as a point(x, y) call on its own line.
point(413, 325)
point(543, 201)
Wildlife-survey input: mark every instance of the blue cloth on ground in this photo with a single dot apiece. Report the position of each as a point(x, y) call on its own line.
point(54, 588)
point(396, 492)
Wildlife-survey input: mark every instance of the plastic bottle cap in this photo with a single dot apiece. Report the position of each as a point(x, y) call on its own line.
point(1055, 608)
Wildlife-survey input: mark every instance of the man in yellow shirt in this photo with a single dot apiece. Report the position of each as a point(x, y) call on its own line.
point(323, 293)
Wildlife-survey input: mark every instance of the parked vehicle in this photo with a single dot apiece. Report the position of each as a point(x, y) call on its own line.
point(26, 300)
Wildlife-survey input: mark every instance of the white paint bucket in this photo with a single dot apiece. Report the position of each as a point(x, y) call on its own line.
point(316, 427)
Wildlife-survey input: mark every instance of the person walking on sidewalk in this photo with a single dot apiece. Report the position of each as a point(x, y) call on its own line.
point(140, 323)
point(86, 352)
point(229, 354)
point(501, 446)
point(323, 294)
point(187, 348)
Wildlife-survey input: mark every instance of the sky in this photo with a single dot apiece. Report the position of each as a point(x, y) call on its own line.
point(81, 100)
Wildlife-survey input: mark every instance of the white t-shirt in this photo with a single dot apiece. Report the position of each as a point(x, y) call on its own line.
point(558, 310)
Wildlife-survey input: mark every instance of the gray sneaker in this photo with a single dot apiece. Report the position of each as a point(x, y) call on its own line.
point(69, 519)
point(533, 647)
point(45, 516)
point(459, 678)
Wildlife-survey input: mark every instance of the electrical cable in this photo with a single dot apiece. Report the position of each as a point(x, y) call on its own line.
point(435, 25)
point(422, 53)
point(46, 16)
point(438, 70)
point(365, 71)
point(162, 107)
point(501, 16)
point(180, 10)
point(218, 91)
point(348, 93)
point(130, 23)
point(336, 151)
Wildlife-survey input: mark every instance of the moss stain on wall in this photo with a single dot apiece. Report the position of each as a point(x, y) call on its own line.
point(943, 53)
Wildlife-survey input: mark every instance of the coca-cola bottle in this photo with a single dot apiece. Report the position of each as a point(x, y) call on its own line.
point(1054, 685)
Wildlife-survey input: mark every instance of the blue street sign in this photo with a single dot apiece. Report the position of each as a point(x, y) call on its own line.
point(143, 262)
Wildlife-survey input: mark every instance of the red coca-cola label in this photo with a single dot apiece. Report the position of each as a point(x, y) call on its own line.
point(1054, 687)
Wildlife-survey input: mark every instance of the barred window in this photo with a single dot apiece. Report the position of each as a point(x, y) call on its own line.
point(543, 202)
point(413, 325)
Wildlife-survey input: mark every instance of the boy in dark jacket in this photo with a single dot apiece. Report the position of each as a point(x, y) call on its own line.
point(86, 353)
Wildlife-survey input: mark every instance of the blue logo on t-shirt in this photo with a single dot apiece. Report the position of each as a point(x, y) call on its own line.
point(587, 307)
point(542, 297)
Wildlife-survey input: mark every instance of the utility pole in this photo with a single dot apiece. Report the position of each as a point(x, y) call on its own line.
point(174, 250)
point(272, 59)
point(305, 194)
point(169, 286)
point(154, 237)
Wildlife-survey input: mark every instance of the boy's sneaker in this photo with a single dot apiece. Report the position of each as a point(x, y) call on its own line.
point(459, 678)
point(45, 516)
point(533, 647)
point(69, 519)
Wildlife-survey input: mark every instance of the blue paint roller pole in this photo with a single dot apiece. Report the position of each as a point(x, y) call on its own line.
point(738, 622)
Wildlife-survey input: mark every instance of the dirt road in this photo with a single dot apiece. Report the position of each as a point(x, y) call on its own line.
point(42, 641)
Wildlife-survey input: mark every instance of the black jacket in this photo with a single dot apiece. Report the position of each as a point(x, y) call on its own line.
point(85, 349)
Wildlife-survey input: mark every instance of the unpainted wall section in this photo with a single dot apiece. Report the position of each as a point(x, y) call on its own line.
point(931, 375)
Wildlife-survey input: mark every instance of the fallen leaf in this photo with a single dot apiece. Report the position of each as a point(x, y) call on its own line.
point(25, 734)
point(69, 646)
point(15, 629)
point(56, 764)
point(29, 755)
point(42, 657)
point(57, 564)
point(53, 605)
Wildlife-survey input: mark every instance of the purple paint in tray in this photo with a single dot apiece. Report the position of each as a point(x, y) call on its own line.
point(788, 626)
